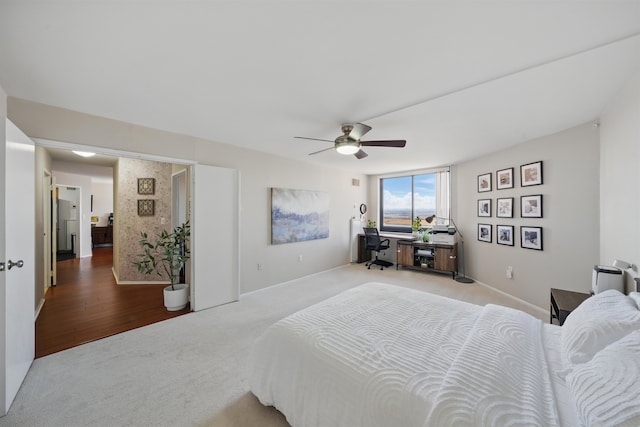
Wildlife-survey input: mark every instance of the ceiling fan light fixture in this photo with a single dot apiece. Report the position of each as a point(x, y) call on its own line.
point(348, 148)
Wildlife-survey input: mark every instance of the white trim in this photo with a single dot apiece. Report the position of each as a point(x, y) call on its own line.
point(40, 305)
point(109, 151)
point(414, 172)
point(136, 282)
point(521, 301)
point(277, 285)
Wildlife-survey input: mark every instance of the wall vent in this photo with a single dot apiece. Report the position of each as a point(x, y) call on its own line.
point(355, 182)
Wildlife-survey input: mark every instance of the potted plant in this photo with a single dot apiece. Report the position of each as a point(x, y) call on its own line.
point(415, 226)
point(371, 223)
point(166, 256)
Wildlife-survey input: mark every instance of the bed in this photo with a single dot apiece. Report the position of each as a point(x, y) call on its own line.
point(384, 355)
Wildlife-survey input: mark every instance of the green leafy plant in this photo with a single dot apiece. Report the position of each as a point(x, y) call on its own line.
point(416, 224)
point(167, 254)
point(371, 223)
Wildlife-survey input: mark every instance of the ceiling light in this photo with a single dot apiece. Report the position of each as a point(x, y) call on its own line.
point(84, 153)
point(348, 148)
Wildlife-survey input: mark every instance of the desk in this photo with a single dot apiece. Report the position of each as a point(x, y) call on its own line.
point(364, 255)
point(563, 303)
point(422, 256)
point(411, 253)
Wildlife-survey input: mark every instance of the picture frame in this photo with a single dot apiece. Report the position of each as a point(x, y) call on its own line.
point(531, 238)
point(531, 174)
point(146, 207)
point(484, 232)
point(504, 178)
point(504, 235)
point(484, 207)
point(504, 207)
point(531, 206)
point(484, 182)
point(146, 186)
point(299, 215)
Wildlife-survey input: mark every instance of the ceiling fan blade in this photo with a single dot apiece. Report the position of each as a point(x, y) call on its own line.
point(358, 131)
point(326, 149)
point(313, 139)
point(360, 154)
point(385, 143)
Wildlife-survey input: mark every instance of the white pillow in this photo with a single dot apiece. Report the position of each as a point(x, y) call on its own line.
point(607, 389)
point(597, 322)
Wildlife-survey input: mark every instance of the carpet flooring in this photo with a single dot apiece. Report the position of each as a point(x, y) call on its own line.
point(191, 370)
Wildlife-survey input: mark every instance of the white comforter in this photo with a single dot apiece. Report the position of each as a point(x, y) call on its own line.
point(381, 355)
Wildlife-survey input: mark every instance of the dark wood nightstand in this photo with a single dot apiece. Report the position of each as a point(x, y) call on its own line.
point(563, 303)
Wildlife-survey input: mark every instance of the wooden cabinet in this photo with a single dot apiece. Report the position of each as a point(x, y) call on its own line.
point(405, 253)
point(446, 258)
point(101, 236)
point(422, 256)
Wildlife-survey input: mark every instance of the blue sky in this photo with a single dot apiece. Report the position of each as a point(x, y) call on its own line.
point(397, 192)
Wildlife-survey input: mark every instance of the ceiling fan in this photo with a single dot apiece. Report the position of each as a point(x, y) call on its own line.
point(350, 143)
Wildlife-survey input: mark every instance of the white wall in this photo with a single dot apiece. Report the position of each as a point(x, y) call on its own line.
point(102, 201)
point(620, 178)
point(258, 173)
point(570, 216)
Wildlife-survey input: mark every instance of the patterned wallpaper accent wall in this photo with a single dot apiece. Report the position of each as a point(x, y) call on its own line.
point(129, 223)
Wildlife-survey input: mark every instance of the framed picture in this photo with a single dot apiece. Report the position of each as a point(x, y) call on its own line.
point(504, 235)
point(484, 182)
point(299, 215)
point(504, 207)
point(146, 185)
point(531, 206)
point(531, 174)
point(484, 207)
point(484, 232)
point(504, 179)
point(531, 238)
point(146, 207)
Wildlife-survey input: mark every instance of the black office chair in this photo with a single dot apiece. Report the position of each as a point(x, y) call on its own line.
point(375, 244)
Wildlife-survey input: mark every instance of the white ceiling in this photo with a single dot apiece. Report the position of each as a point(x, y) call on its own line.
point(456, 79)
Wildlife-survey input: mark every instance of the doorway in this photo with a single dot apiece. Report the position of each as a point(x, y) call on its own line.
point(68, 222)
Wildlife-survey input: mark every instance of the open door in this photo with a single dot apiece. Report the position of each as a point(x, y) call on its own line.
point(214, 237)
point(17, 225)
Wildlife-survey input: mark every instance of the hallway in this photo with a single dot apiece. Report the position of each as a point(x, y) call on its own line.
point(87, 305)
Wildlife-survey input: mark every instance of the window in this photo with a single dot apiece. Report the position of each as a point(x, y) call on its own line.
point(403, 198)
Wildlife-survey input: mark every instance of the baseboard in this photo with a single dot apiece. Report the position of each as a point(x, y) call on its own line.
point(137, 282)
point(540, 310)
point(40, 305)
point(292, 280)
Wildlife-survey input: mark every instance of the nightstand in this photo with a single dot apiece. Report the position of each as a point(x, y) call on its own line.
point(563, 303)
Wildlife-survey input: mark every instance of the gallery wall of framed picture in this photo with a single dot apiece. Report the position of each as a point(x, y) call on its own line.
point(505, 206)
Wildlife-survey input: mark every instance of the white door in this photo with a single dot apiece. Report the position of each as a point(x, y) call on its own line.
point(18, 189)
point(214, 237)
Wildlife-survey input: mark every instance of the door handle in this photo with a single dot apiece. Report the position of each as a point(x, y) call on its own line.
point(18, 264)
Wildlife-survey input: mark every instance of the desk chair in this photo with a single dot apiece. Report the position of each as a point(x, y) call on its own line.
point(375, 244)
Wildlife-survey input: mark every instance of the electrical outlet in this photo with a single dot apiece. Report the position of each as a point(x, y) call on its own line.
point(163, 220)
point(259, 266)
point(299, 258)
point(510, 272)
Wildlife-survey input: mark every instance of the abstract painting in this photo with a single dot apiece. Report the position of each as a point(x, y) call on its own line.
point(298, 215)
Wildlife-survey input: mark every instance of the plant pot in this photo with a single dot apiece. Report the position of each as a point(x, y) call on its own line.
point(176, 299)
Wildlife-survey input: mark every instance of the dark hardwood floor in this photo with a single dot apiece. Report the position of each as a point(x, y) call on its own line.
point(87, 305)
